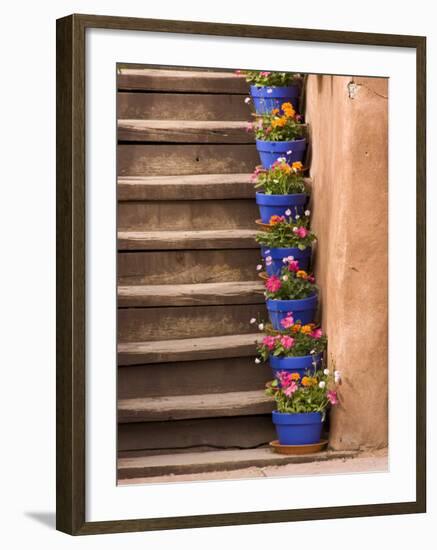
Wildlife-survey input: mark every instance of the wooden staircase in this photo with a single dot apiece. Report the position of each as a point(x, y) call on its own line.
point(187, 284)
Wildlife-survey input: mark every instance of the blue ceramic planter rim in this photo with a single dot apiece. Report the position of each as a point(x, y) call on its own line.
point(296, 198)
point(297, 418)
point(281, 146)
point(279, 253)
point(298, 359)
point(292, 305)
point(277, 91)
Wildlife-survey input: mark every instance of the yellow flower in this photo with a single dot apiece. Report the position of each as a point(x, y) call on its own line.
point(279, 122)
point(295, 376)
point(306, 381)
point(275, 112)
point(301, 274)
point(296, 328)
point(288, 110)
point(297, 166)
point(306, 329)
point(275, 219)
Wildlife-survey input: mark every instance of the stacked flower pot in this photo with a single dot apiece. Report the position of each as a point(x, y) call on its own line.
point(304, 386)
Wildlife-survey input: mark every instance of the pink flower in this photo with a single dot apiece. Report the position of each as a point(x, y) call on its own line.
point(269, 341)
point(287, 342)
point(284, 378)
point(332, 397)
point(302, 232)
point(291, 389)
point(316, 333)
point(293, 266)
point(273, 283)
point(311, 278)
point(287, 321)
point(264, 73)
point(249, 127)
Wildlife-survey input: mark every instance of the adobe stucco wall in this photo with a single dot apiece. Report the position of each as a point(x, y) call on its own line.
point(349, 137)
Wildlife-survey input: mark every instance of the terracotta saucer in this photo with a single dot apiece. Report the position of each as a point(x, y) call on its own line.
point(264, 226)
point(298, 449)
point(263, 275)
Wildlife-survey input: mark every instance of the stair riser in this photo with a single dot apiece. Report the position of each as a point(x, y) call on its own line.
point(173, 106)
point(220, 433)
point(168, 160)
point(185, 81)
point(193, 377)
point(187, 266)
point(188, 215)
point(152, 324)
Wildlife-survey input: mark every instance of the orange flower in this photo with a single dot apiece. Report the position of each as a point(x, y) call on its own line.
point(295, 328)
point(306, 329)
point(279, 122)
point(288, 110)
point(275, 112)
point(301, 274)
point(295, 376)
point(275, 219)
point(306, 381)
point(297, 166)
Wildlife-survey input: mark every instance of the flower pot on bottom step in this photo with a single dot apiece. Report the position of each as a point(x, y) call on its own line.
point(298, 428)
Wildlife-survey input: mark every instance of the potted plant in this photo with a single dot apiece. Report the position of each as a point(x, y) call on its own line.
point(279, 135)
point(297, 348)
point(293, 293)
point(287, 239)
point(301, 404)
point(282, 188)
point(269, 90)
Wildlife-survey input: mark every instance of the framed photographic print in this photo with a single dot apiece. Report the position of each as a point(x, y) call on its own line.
point(240, 274)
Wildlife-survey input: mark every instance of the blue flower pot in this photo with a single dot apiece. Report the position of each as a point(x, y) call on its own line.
point(278, 254)
point(276, 205)
point(303, 310)
point(265, 101)
point(270, 151)
point(301, 365)
point(298, 428)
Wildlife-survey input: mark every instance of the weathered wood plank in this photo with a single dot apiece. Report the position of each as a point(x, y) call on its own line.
point(152, 324)
point(235, 292)
point(193, 187)
point(205, 376)
point(184, 435)
point(187, 215)
point(187, 266)
point(180, 240)
point(178, 80)
point(184, 131)
point(179, 407)
point(216, 461)
point(168, 160)
point(188, 349)
point(181, 106)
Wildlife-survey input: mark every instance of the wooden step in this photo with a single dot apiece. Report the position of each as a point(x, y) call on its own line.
point(237, 292)
point(196, 215)
point(179, 407)
point(199, 376)
point(172, 323)
point(215, 461)
point(184, 131)
point(181, 106)
point(187, 266)
point(180, 240)
point(239, 432)
point(192, 187)
point(178, 159)
point(189, 349)
point(179, 80)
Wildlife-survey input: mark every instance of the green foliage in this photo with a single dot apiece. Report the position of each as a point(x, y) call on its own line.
point(280, 179)
point(304, 342)
point(286, 233)
point(290, 286)
point(268, 78)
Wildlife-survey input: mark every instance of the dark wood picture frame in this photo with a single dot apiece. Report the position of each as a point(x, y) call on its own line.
point(70, 206)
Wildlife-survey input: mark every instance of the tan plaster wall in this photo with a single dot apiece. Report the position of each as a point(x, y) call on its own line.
point(349, 138)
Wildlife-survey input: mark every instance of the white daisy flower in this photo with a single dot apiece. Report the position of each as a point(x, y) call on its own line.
point(259, 267)
point(322, 384)
point(289, 152)
point(290, 258)
point(285, 260)
point(294, 229)
point(285, 278)
point(261, 326)
point(312, 351)
point(337, 376)
point(288, 212)
point(326, 371)
point(252, 321)
point(307, 212)
point(266, 251)
point(296, 216)
point(247, 100)
point(257, 361)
